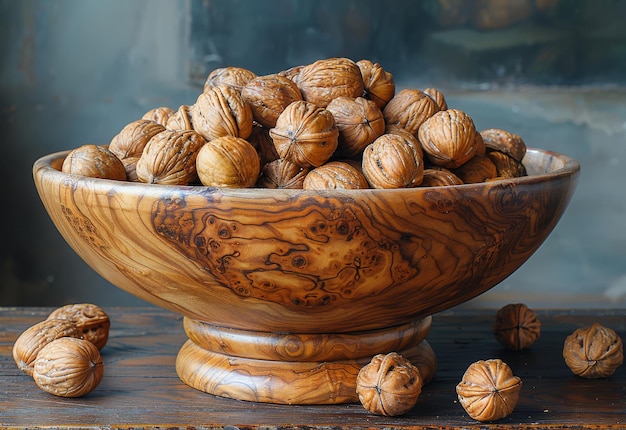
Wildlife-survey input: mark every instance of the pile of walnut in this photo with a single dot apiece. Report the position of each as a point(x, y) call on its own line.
point(332, 124)
point(62, 353)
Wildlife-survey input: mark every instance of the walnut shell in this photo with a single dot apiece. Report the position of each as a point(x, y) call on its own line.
point(477, 169)
point(438, 177)
point(33, 339)
point(438, 97)
point(392, 162)
point(268, 96)
point(593, 352)
point(516, 327)
point(94, 161)
point(325, 80)
point(170, 158)
point(448, 138)
point(91, 320)
point(236, 77)
point(133, 137)
point(282, 173)
point(160, 115)
point(262, 141)
point(409, 109)
point(506, 166)
point(305, 134)
point(130, 165)
point(180, 120)
point(504, 141)
point(335, 175)
point(359, 122)
point(222, 111)
point(228, 161)
point(389, 385)
point(68, 367)
point(488, 390)
point(378, 84)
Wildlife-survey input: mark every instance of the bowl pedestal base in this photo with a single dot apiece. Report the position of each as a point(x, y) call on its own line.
point(288, 368)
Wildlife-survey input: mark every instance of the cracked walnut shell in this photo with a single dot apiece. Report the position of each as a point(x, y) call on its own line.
point(389, 385)
point(516, 326)
point(305, 134)
point(488, 390)
point(593, 352)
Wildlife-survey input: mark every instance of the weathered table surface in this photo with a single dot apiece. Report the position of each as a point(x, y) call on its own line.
point(140, 387)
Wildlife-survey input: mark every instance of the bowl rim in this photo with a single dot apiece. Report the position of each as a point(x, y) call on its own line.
point(44, 165)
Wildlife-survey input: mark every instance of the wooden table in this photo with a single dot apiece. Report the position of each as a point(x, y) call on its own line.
point(140, 387)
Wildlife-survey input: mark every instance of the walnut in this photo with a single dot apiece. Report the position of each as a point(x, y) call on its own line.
point(33, 339)
point(477, 169)
point(282, 173)
point(359, 122)
point(222, 111)
point(305, 134)
point(378, 84)
point(68, 367)
point(292, 73)
point(406, 135)
point(130, 165)
point(448, 138)
point(180, 120)
point(94, 161)
point(593, 352)
point(325, 80)
point(268, 96)
point(392, 162)
point(506, 166)
point(236, 77)
point(133, 137)
point(504, 141)
point(228, 161)
point(409, 109)
point(170, 158)
point(516, 327)
point(438, 97)
point(389, 385)
point(91, 320)
point(488, 390)
point(262, 141)
point(160, 115)
point(335, 175)
point(438, 177)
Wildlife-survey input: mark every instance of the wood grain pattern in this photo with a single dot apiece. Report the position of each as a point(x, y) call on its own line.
point(309, 263)
point(306, 261)
point(140, 388)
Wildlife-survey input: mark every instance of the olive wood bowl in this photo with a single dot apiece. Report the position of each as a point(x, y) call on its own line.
point(287, 293)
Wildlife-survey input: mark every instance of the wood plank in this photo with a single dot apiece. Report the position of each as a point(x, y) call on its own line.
point(140, 387)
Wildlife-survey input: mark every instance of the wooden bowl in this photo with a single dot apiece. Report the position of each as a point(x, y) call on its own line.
point(284, 278)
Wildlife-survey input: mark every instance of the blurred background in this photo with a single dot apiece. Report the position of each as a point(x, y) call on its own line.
point(553, 71)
